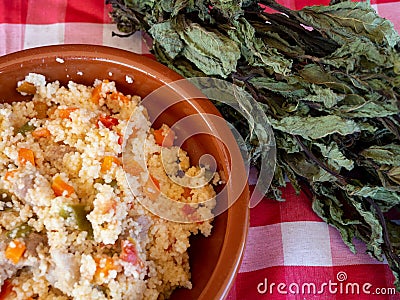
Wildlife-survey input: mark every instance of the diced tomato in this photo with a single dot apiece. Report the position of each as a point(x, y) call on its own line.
point(6, 289)
point(164, 137)
point(187, 192)
point(120, 139)
point(129, 252)
point(158, 136)
point(108, 121)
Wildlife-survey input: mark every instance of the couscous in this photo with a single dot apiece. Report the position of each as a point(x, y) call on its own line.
point(78, 166)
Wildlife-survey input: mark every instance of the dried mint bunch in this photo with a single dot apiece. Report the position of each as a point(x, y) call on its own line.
point(328, 78)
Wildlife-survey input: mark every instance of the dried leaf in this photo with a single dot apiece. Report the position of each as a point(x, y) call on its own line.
point(328, 208)
point(325, 96)
point(281, 87)
point(394, 174)
point(173, 7)
point(210, 51)
point(166, 36)
point(315, 127)
point(374, 239)
point(231, 9)
point(288, 143)
point(315, 74)
point(384, 198)
point(346, 20)
point(351, 54)
point(335, 157)
point(254, 49)
point(384, 155)
point(370, 109)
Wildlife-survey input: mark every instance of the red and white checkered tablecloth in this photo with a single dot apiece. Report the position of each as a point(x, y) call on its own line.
point(290, 252)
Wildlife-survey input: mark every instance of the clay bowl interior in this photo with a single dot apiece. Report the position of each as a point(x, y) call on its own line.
point(214, 260)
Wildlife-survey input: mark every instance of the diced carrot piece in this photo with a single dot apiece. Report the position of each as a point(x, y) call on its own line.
point(187, 192)
point(8, 176)
point(156, 182)
point(64, 113)
point(15, 250)
point(119, 96)
point(25, 155)
point(59, 186)
point(6, 289)
point(108, 121)
point(107, 163)
point(95, 98)
point(164, 137)
point(104, 264)
point(41, 132)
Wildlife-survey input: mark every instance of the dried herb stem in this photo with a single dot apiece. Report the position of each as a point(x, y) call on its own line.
point(313, 158)
point(385, 233)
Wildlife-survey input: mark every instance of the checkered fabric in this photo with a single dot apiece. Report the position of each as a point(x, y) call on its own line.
point(290, 252)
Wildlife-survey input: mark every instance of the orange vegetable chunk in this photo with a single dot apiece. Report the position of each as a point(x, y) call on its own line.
point(25, 155)
point(95, 98)
point(163, 137)
point(104, 264)
point(15, 250)
point(107, 163)
point(64, 113)
point(41, 132)
point(59, 186)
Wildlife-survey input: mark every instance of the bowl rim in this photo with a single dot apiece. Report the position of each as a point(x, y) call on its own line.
point(238, 214)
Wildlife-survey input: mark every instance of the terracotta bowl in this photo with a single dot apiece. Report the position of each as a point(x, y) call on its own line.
point(214, 260)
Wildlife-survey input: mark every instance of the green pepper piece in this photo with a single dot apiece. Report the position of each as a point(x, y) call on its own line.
point(20, 231)
point(24, 129)
point(79, 213)
point(65, 213)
